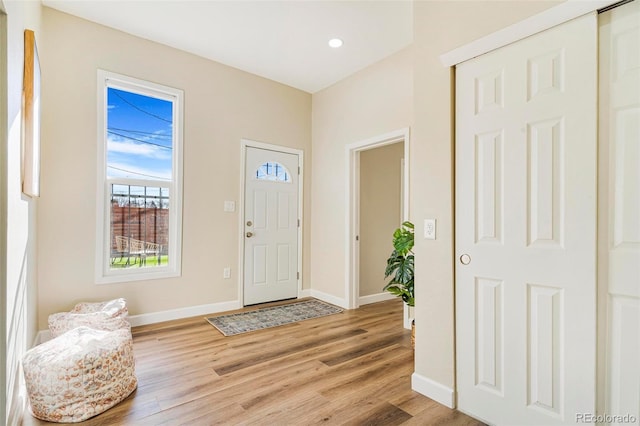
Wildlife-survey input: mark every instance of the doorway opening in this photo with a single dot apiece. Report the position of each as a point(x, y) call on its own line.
point(362, 161)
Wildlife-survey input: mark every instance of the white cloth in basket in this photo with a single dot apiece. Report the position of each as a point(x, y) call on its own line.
point(107, 316)
point(114, 308)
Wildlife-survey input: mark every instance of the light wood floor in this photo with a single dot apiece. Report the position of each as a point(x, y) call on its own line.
point(351, 368)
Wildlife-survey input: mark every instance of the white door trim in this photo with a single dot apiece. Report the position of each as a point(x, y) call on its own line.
point(352, 195)
point(4, 143)
point(244, 144)
point(537, 23)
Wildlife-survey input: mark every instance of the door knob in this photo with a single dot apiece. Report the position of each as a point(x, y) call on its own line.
point(249, 234)
point(465, 259)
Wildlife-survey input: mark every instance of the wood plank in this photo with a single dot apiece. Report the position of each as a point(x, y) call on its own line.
point(383, 414)
point(371, 343)
point(284, 351)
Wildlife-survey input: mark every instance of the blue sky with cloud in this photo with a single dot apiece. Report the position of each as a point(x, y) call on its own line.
point(139, 136)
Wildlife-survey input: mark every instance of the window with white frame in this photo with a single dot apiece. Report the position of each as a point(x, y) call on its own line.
point(139, 179)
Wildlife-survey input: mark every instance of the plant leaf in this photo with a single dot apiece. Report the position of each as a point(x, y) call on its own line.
point(400, 264)
point(408, 225)
point(403, 238)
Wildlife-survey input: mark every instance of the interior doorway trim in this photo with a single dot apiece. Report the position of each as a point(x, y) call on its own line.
point(542, 21)
point(244, 144)
point(4, 138)
point(352, 198)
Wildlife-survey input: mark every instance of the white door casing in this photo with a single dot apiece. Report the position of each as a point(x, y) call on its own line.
point(525, 217)
point(619, 201)
point(271, 226)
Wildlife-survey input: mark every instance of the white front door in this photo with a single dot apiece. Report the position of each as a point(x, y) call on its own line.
point(526, 228)
point(270, 226)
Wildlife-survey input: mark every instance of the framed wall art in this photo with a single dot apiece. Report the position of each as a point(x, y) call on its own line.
point(31, 117)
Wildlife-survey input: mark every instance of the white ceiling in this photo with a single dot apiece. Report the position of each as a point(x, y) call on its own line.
point(285, 41)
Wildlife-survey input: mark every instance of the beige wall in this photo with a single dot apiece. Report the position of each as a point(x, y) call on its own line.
point(222, 105)
point(18, 275)
point(440, 26)
point(380, 212)
point(370, 103)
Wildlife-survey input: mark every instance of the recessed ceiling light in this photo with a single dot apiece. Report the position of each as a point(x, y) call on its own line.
point(335, 43)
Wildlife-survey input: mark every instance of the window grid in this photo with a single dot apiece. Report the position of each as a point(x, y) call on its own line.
point(273, 171)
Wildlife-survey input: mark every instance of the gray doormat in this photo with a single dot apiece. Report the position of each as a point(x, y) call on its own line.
point(274, 316)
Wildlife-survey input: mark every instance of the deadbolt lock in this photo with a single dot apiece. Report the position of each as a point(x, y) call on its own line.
point(249, 223)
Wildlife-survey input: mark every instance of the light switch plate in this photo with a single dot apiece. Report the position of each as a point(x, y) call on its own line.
point(229, 206)
point(430, 229)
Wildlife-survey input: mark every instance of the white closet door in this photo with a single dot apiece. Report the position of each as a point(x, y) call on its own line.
point(526, 228)
point(620, 206)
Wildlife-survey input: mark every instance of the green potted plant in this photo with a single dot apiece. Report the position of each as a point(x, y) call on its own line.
point(400, 267)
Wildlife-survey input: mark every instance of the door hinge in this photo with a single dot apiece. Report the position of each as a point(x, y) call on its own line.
point(298, 169)
point(298, 275)
point(298, 223)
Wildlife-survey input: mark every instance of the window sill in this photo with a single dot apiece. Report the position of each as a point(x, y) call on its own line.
point(141, 275)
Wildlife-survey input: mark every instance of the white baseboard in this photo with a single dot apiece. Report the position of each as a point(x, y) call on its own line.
point(304, 293)
point(161, 316)
point(329, 298)
point(434, 390)
point(375, 298)
point(191, 311)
